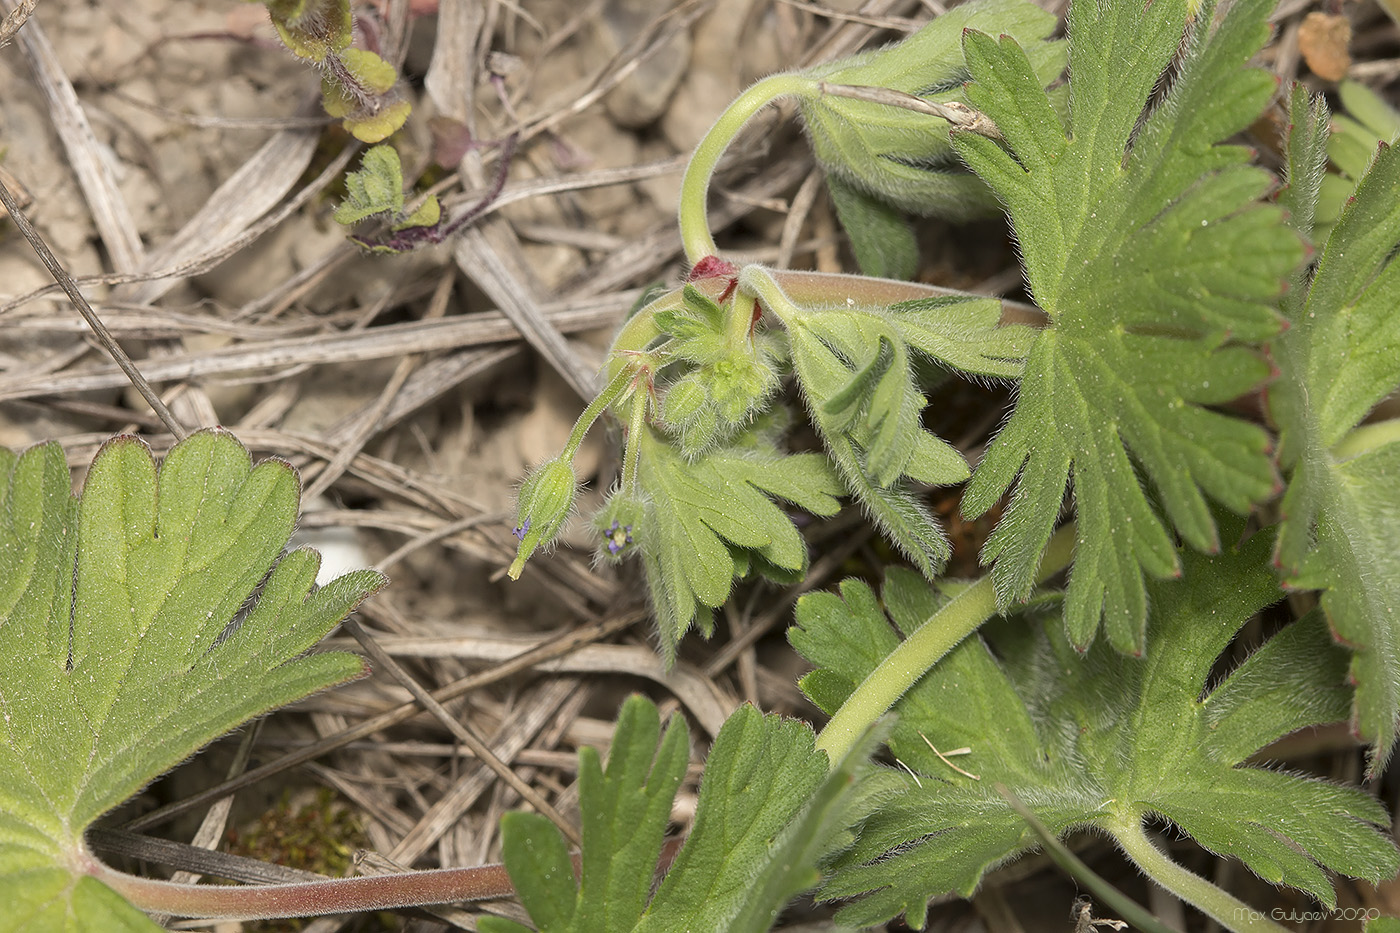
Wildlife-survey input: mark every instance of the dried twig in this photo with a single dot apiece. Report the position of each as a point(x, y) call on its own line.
point(14, 20)
point(960, 115)
point(520, 661)
point(61, 275)
point(464, 735)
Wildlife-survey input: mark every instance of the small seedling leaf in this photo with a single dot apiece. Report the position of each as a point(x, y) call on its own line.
point(370, 71)
point(375, 189)
point(312, 29)
point(425, 215)
point(371, 120)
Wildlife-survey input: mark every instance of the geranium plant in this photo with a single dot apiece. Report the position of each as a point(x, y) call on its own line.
point(1175, 276)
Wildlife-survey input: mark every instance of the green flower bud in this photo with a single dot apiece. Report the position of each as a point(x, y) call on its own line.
point(683, 401)
point(740, 384)
point(702, 431)
point(546, 498)
point(620, 524)
point(688, 413)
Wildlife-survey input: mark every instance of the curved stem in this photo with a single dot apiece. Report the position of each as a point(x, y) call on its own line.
point(918, 653)
point(695, 186)
point(1221, 906)
point(640, 329)
point(636, 334)
point(759, 283)
point(741, 320)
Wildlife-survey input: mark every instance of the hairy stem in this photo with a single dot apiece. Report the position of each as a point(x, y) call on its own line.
point(641, 331)
point(318, 898)
point(636, 424)
point(611, 393)
point(1112, 898)
point(1221, 906)
point(695, 186)
point(918, 653)
point(741, 320)
point(307, 898)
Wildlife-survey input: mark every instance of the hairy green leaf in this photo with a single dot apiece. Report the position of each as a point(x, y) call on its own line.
point(312, 29)
point(1145, 243)
point(693, 375)
point(769, 808)
point(376, 190)
point(761, 779)
point(358, 93)
point(540, 869)
point(704, 518)
point(369, 70)
point(630, 807)
point(1368, 120)
point(1105, 741)
point(900, 156)
point(881, 238)
point(122, 646)
point(853, 363)
point(1341, 357)
point(866, 407)
point(1351, 145)
point(625, 809)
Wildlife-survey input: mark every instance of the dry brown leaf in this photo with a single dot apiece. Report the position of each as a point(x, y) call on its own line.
point(1324, 40)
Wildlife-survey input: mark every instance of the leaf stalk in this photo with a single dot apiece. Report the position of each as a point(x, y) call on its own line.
point(1219, 905)
point(695, 185)
point(636, 424)
point(308, 898)
point(611, 393)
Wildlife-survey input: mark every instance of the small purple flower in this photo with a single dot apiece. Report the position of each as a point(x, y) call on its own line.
point(520, 529)
point(618, 537)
